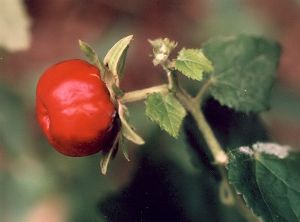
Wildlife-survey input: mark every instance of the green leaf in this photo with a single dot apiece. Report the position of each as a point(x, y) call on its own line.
point(108, 155)
point(193, 63)
point(245, 68)
point(124, 149)
point(127, 129)
point(268, 177)
point(104, 161)
point(166, 111)
point(91, 54)
point(115, 58)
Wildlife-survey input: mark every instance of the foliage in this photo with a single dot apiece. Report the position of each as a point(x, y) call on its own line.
point(167, 179)
point(240, 73)
point(272, 189)
point(245, 69)
point(166, 111)
point(235, 76)
point(192, 63)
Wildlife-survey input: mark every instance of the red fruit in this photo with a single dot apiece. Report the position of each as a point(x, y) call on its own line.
point(74, 109)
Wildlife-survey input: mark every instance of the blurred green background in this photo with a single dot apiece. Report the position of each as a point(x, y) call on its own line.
point(166, 179)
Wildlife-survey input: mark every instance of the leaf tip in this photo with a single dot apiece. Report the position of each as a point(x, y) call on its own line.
point(81, 43)
point(130, 37)
point(103, 171)
point(140, 141)
point(103, 166)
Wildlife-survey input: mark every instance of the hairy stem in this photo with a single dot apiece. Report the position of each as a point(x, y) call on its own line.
point(143, 93)
point(203, 90)
point(218, 153)
point(170, 74)
point(192, 104)
point(227, 193)
point(220, 157)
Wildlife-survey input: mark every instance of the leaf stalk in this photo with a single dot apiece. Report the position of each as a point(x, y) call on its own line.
point(142, 94)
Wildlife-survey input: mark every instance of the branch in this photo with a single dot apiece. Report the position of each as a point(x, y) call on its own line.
point(220, 157)
point(143, 93)
point(203, 90)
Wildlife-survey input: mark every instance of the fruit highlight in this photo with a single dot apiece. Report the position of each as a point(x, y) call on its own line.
point(74, 108)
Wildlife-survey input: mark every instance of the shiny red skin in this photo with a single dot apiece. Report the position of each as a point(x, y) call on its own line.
point(74, 109)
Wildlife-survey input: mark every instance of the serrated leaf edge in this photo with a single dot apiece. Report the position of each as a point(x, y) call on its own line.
point(174, 133)
point(194, 77)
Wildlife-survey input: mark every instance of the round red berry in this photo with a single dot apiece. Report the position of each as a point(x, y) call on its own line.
point(74, 108)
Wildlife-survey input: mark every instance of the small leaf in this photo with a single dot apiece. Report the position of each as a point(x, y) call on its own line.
point(125, 153)
point(115, 58)
point(91, 54)
point(105, 159)
point(127, 129)
point(108, 155)
point(268, 177)
point(124, 149)
point(193, 63)
point(245, 68)
point(166, 111)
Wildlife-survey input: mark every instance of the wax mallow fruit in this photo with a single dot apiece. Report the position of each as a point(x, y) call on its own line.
point(74, 108)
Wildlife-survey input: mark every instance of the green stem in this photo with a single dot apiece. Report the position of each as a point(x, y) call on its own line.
point(228, 196)
point(168, 71)
point(220, 157)
point(203, 90)
point(143, 93)
point(218, 153)
point(227, 193)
